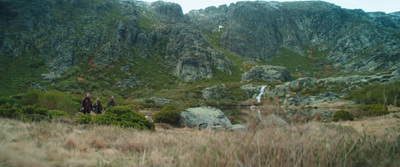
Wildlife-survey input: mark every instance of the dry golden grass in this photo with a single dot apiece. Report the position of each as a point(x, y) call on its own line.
point(311, 144)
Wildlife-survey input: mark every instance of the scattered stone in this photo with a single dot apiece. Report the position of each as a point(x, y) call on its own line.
point(128, 82)
point(38, 86)
point(51, 76)
point(125, 69)
point(159, 101)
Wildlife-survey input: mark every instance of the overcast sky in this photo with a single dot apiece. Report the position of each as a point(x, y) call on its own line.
point(387, 6)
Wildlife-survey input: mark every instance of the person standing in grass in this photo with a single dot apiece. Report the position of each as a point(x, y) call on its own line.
point(87, 104)
point(111, 103)
point(98, 108)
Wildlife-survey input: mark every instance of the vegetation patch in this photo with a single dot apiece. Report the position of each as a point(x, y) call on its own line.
point(342, 115)
point(51, 100)
point(376, 110)
point(311, 64)
point(170, 114)
point(29, 113)
point(377, 93)
point(121, 116)
point(17, 74)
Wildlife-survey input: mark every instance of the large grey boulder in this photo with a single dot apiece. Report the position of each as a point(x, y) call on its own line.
point(267, 73)
point(204, 118)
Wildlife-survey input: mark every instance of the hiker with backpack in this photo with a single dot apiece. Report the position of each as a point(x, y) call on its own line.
point(98, 108)
point(111, 103)
point(86, 105)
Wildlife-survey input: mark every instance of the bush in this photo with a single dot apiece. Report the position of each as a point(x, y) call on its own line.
point(376, 110)
point(169, 114)
point(377, 93)
point(10, 111)
point(31, 97)
point(54, 100)
point(51, 100)
point(27, 113)
point(342, 115)
point(119, 116)
point(84, 119)
point(12, 101)
point(57, 113)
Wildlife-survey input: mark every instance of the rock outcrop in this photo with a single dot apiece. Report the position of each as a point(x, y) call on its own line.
point(319, 91)
point(214, 92)
point(65, 33)
point(204, 118)
point(267, 73)
point(355, 40)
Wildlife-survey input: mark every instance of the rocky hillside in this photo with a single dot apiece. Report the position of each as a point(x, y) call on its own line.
point(123, 45)
point(355, 40)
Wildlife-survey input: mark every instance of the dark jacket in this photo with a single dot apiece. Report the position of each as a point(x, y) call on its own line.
point(87, 104)
point(111, 103)
point(98, 107)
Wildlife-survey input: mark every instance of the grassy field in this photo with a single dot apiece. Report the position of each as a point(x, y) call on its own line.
point(367, 142)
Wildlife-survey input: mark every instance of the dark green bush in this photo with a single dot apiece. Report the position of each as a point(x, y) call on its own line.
point(119, 116)
point(12, 101)
point(33, 110)
point(376, 110)
point(169, 114)
point(84, 119)
point(10, 111)
point(31, 97)
point(51, 100)
point(342, 115)
point(57, 113)
point(29, 113)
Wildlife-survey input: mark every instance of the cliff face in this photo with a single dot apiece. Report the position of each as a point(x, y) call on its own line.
point(103, 33)
point(356, 41)
point(63, 32)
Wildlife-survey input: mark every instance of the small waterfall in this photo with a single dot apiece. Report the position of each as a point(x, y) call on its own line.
point(261, 93)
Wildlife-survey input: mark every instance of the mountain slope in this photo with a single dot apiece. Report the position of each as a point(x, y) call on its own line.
point(125, 46)
point(355, 40)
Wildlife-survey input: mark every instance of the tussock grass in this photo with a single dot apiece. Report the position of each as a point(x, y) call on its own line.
point(312, 144)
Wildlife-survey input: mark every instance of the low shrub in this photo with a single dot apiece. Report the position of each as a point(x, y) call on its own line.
point(29, 113)
point(57, 113)
point(342, 115)
point(10, 111)
point(118, 116)
point(31, 97)
point(33, 110)
point(84, 119)
point(12, 101)
point(169, 114)
point(376, 110)
point(54, 100)
point(377, 93)
point(51, 100)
